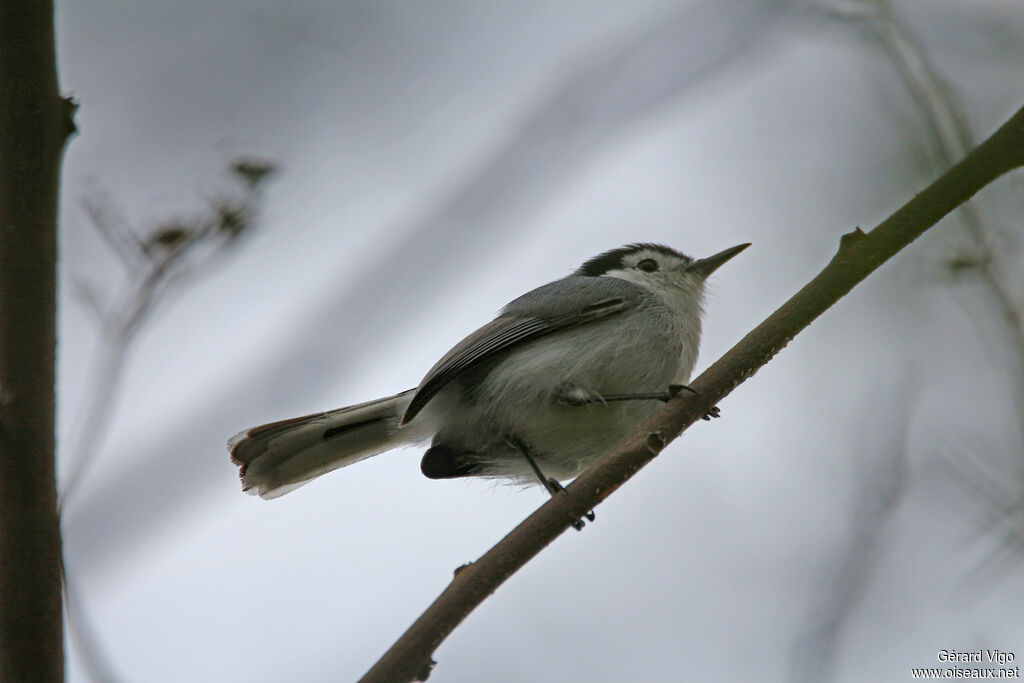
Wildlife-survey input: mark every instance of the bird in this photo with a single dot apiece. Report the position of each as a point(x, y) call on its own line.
point(563, 372)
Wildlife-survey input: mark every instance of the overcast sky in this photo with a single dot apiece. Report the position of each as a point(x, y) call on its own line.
point(437, 160)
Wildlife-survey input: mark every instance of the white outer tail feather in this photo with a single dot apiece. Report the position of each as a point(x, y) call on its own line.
point(282, 456)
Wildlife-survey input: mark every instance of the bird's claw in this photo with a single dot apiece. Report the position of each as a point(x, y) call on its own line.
point(554, 486)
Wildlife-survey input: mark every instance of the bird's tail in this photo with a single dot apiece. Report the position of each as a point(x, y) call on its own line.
point(279, 457)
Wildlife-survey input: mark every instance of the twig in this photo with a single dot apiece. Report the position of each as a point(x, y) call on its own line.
point(948, 135)
point(172, 253)
point(83, 634)
point(993, 483)
point(858, 256)
point(111, 227)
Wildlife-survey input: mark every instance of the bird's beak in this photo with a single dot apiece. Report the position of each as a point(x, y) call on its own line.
point(705, 266)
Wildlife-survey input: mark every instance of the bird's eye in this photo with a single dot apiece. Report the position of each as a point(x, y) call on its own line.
point(648, 265)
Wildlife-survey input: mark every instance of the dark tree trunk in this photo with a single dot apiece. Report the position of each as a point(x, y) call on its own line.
point(34, 125)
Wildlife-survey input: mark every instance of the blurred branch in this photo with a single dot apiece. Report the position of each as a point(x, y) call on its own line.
point(947, 135)
point(35, 124)
point(879, 489)
point(83, 636)
point(173, 253)
point(858, 256)
point(985, 482)
point(112, 228)
point(620, 82)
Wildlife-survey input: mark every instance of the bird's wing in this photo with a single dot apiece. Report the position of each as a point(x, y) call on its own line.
point(548, 309)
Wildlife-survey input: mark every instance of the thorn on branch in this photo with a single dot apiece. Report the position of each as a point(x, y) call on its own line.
point(655, 442)
point(428, 666)
point(69, 107)
point(851, 238)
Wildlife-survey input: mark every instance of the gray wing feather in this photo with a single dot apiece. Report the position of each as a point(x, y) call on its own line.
point(560, 305)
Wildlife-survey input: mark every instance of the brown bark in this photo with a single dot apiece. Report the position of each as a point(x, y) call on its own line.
point(34, 125)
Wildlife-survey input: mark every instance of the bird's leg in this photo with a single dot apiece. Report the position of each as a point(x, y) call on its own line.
point(550, 483)
point(663, 396)
point(575, 395)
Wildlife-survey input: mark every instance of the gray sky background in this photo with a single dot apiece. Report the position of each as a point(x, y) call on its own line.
point(440, 158)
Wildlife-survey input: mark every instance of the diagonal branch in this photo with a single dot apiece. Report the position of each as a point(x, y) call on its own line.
point(944, 126)
point(858, 256)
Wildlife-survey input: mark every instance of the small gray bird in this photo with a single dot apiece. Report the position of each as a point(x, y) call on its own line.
point(563, 373)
